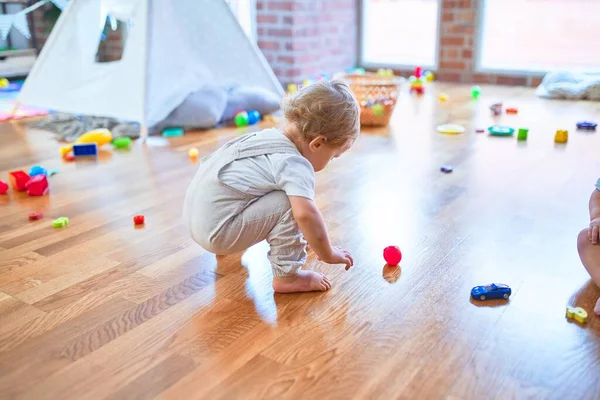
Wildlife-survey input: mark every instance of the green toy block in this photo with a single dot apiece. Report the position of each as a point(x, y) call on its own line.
point(60, 222)
point(522, 134)
point(122, 142)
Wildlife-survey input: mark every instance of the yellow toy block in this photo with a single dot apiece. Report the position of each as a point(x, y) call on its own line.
point(562, 136)
point(443, 97)
point(577, 313)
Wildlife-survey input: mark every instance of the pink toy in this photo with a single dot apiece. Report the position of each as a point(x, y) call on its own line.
point(392, 255)
point(18, 179)
point(37, 186)
point(3, 187)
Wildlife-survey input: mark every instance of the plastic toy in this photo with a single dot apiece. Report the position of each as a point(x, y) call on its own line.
point(498, 130)
point(18, 179)
point(475, 92)
point(496, 108)
point(491, 291)
point(416, 81)
point(253, 117)
point(429, 76)
point(85, 149)
point(241, 119)
point(4, 83)
point(37, 185)
point(479, 130)
point(587, 126)
point(35, 216)
point(69, 157)
point(577, 313)
point(306, 83)
point(292, 88)
point(522, 134)
point(138, 219)
point(512, 110)
point(98, 136)
point(172, 132)
point(446, 169)
point(392, 255)
point(443, 97)
point(60, 222)
point(377, 110)
point(193, 153)
point(122, 142)
point(3, 187)
point(562, 136)
point(37, 170)
point(450, 129)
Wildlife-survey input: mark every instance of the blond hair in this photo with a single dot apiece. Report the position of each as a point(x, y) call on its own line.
point(324, 108)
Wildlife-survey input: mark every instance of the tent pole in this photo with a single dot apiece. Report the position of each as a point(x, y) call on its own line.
point(143, 133)
point(15, 108)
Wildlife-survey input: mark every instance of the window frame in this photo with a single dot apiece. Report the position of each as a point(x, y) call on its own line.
point(407, 67)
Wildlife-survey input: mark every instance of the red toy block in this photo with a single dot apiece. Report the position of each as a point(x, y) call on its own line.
point(35, 216)
point(3, 187)
point(18, 179)
point(69, 157)
point(138, 219)
point(37, 186)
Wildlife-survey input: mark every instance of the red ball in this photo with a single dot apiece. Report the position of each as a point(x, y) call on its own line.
point(392, 255)
point(138, 219)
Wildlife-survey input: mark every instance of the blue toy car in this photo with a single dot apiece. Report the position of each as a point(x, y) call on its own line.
point(491, 291)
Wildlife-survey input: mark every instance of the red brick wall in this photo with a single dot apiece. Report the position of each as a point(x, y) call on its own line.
point(302, 39)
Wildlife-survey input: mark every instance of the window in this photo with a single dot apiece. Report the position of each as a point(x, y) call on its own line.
point(399, 33)
point(538, 35)
point(245, 12)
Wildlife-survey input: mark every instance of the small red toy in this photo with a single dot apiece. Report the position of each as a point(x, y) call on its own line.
point(35, 216)
point(392, 255)
point(512, 110)
point(138, 219)
point(37, 186)
point(18, 179)
point(3, 187)
point(69, 157)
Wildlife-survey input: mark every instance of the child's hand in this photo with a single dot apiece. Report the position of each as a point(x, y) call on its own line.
point(339, 256)
point(594, 231)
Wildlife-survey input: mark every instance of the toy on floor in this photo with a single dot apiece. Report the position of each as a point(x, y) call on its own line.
point(512, 110)
point(122, 142)
point(577, 313)
point(37, 170)
point(241, 119)
point(416, 81)
point(18, 179)
point(35, 216)
point(193, 153)
point(491, 291)
point(85, 149)
point(169, 132)
point(60, 222)
point(446, 169)
point(498, 130)
point(37, 185)
point(4, 83)
point(450, 129)
point(562, 136)
point(496, 109)
point(429, 76)
point(3, 187)
point(522, 134)
point(253, 117)
point(479, 130)
point(443, 97)
point(98, 136)
point(69, 157)
point(138, 219)
point(292, 88)
point(475, 92)
point(392, 255)
point(587, 126)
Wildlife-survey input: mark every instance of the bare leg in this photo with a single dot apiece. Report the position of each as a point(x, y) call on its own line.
point(590, 257)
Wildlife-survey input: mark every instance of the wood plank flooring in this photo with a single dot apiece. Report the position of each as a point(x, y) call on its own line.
point(103, 310)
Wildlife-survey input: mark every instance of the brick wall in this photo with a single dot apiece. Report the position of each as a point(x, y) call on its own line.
point(302, 39)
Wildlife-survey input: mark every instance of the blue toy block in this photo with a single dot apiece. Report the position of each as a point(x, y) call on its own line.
point(85, 149)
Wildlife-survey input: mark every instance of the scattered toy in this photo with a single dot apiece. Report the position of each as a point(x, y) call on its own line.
point(193, 153)
point(138, 219)
point(512, 110)
point(450, 129)
point(498, 130)
point(85, 149)
point(18, 179)
point(491, 291)
point(69, 157)
point(306, 82)
point(3, 187)
point(292, 88)
point(475, 92)
point(416, 81)
point(392, 255)
point(4, 83)
point(241, 119)
point(378, 110)
point(35, 216)
point(253, 117)
point(98, 136)
point(37, 185)
point(443, 97)
point(172, 132)
point(429, 76)
point(37, 170)
point(60, 222)
point(587, 125)
point(496, 108)
point(577, 313)
point(479, 130)
point(446, 169)
point(562, 136)
point(64, 150)
point(122, 142)
point(522, 134)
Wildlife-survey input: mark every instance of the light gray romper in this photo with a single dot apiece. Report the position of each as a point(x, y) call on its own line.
point(225, 220)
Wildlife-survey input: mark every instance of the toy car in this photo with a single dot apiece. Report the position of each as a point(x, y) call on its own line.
point(586, 125)
point(491, 291)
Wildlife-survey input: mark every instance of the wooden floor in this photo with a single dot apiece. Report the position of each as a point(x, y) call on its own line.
point(102, 310)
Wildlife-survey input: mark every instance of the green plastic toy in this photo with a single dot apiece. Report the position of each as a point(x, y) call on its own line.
point(522, 134)
point(498, 130)
point(241, 119)
point(377, 110)
point(475, 92)
point(60, 222)
point(122, 142)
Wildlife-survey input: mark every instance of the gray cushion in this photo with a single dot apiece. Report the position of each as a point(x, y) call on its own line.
point(250, 98)
point(200, 110)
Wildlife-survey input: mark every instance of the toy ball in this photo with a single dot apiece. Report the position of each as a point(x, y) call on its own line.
point(241, 119)
point(193, 153)
point(122, 142)
point(37, 170)
point(4, 83)
point(253, 117)
point(392, 255)
point(443, 97)
point(377, 110)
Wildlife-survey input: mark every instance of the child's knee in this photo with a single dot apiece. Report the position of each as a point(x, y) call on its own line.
point(583, 240)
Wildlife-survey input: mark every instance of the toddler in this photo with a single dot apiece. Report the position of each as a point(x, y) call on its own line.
point(588, 242)
point(261, 186)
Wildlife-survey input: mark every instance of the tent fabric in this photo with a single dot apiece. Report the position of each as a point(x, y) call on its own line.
point(172, 49)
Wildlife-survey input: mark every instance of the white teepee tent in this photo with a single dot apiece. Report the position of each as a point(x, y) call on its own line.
point(173, 48)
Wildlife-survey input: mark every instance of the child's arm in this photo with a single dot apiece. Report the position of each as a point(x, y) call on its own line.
point(311, 224)
point(594, 230)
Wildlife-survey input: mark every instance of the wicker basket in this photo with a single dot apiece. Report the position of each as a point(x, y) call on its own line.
point(369, 89)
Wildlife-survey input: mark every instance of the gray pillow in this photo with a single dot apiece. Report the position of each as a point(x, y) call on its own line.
point(250, 98)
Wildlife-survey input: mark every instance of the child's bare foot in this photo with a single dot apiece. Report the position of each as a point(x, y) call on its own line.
point(597, 308)
point(303, 281)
